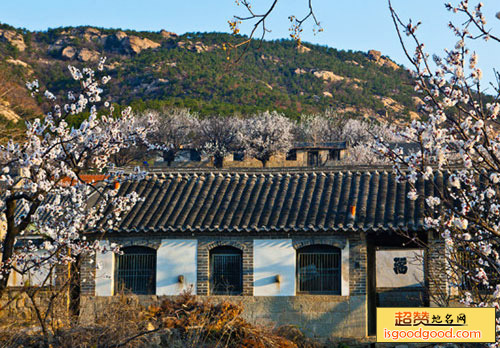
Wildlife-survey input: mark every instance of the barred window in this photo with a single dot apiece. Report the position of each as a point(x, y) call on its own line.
point(465, 263)
point(226, 276)
point(135, 270)
point(318, 270)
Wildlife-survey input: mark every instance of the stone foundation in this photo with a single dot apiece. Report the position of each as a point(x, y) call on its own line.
point(321, 317)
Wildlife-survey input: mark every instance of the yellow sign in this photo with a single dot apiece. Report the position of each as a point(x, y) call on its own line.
point(436, 325)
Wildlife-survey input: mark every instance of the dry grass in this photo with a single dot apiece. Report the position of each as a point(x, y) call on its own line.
point(184, 321)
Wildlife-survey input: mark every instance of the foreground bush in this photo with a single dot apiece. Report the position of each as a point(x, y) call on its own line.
point(184, 321)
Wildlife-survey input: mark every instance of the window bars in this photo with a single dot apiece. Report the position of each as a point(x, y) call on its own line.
point(135, 271)
point(226, 270)
point(318, 270)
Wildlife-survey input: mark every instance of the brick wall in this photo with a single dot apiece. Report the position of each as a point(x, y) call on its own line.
point(357, 259)
point(203, 259)
point(358, 264)
point(87, 275)
point(435, 271)
point(320, 316)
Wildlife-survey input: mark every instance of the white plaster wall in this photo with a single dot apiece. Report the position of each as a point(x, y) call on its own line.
point(35, 276)
point(344, 256)
point(274, 257)
point(176, 257)
point(104, 271)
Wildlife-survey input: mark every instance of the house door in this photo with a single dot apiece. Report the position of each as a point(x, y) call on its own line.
point(313, 158)
point(395, 278)
point(371, 290)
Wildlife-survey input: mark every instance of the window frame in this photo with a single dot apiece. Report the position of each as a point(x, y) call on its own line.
point(467, 260)
point(149, 258)
point(320, 249)
point(225, 251)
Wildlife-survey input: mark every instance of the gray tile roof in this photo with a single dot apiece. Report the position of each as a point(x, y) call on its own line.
point(274, 201)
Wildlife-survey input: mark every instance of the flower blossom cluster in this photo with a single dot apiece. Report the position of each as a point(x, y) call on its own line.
point(36, 203)
point(459, 135)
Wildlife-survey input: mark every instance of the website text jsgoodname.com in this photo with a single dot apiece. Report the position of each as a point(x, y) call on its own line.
point(423, 334)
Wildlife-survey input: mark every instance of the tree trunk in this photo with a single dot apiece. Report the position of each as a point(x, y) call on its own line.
point(8, 244)
point(74, 290)
point(169, 157)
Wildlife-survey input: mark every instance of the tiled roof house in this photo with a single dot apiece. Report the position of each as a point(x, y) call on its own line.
point(315, 248)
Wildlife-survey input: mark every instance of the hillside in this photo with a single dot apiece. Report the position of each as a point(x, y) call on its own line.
point(155, 69)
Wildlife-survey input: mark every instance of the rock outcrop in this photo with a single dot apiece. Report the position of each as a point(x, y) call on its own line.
point(417, 102)
point(377, 57)
point(68, 52)
point(374, 55)
point(131, 44)
point(7, 112)
point(120, 35)
point(327, 76)
point(86, 55)
point(18, 62)
point(13, 38)
point(303, 49)
point(137, 44)
point(168, 34)
point(197, 46)
point(91, 34)
point(391, 104)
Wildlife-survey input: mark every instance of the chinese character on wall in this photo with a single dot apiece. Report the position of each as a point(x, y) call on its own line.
point(400, 265)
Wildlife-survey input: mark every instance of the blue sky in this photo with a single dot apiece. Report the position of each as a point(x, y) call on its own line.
point(354, 24)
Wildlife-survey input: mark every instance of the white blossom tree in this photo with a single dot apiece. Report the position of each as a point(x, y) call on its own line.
point(217, 136)
point(266, 134)
point(460, 134)
point(320, 128)
point(175, 130)
point(138, 150)
point(37, 202)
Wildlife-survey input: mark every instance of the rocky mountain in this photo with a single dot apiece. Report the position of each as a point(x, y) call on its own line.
point(197, 71)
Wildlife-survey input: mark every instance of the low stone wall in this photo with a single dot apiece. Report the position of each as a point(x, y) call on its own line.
point(16, 306)
point(322, 317)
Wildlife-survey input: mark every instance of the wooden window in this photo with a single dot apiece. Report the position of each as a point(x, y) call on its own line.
point(136, 271)
point(226, 271)
point(318, 270)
